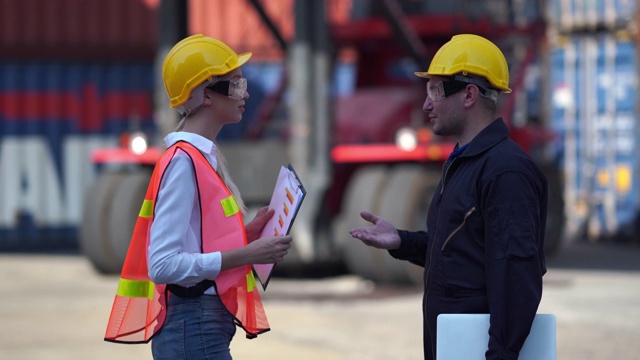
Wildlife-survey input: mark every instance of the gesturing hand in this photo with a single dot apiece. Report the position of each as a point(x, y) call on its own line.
point(382, 234)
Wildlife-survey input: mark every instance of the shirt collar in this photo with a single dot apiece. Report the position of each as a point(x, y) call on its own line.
point(206, 146)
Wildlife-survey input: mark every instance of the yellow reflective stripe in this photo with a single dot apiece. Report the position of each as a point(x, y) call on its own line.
point(251, 282)
point(147, 209)
point(230, 206)
point(136, 288)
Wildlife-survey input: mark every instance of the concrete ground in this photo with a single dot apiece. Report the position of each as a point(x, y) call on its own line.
point(56, 307)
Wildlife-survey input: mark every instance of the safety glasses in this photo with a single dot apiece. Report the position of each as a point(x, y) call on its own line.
point(439, 90)
point(234, 89)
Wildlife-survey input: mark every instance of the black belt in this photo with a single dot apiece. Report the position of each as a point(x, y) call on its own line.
point(190, 292)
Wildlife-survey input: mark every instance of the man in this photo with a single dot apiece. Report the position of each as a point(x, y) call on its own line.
point(483, 247)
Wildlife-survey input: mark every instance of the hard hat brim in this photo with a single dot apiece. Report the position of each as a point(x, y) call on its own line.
point(243, 58)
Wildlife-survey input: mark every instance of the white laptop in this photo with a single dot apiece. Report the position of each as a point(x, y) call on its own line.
point(466, 336)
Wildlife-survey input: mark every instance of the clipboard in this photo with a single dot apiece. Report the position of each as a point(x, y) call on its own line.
point(286, 199)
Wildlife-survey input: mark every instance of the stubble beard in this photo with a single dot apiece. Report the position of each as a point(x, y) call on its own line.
point(451, 126)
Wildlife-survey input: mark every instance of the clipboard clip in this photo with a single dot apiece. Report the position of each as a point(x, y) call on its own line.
point(294, 182)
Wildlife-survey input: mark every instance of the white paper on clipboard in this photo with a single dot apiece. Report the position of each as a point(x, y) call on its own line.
point(286, 200)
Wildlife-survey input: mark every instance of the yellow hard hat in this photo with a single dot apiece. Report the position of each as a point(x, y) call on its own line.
point(194, 60)
point(471, 54)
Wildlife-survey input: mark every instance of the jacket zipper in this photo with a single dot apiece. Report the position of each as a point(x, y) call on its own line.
point(473, 209)
point(445, 170)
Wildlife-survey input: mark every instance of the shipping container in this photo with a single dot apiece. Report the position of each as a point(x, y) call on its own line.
point(238, 24)
point(585, 15)
point(78, 30)
point(593, 97)
point(515, 12)
point(51, 117)
point(74, 76)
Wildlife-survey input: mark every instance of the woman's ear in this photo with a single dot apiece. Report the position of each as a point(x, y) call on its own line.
point(207, 98)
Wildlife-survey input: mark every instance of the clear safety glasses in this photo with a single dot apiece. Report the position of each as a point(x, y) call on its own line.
point(437, 91)
point(235, 89)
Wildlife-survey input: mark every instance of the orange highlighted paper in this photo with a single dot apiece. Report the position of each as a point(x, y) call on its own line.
point(286, 199)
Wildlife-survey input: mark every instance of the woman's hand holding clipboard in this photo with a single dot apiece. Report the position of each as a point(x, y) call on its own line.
point(286, 200)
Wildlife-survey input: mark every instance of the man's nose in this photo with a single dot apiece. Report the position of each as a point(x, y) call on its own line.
point(427, 105)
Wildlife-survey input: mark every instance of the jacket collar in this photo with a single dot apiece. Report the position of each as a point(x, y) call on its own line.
point(487, 138)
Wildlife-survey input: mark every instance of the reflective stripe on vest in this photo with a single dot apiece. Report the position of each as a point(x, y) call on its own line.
point(139, 308)
point(230, 206)
point(136, 288)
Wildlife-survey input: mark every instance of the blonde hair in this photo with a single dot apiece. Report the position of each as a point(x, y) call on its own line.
point(223, 172)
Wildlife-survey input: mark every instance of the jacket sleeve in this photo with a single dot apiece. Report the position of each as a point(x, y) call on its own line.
point(515, 214)
point(413, 247)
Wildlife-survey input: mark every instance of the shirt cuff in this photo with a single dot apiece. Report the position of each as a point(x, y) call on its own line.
point(212, 264)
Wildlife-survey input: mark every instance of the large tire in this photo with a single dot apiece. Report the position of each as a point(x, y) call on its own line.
point(405, 203)
point(554, 231)
point(362, 193)
point(123, 215)
point(94, 229)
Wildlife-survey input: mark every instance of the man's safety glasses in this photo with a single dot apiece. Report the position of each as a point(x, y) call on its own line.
point(439, 90)
point(235, 89)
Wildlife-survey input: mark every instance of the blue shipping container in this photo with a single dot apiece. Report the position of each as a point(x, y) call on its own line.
point(52, 115)
point(593, 108)
point(575, 15)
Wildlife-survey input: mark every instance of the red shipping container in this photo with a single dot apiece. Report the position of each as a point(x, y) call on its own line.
point(78, 29)
point(239, 25)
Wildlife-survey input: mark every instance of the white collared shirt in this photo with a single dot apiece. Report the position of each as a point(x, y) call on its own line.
point(174, 253)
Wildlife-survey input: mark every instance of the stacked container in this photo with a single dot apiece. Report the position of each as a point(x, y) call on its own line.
point(592, 95)
point(74, 75)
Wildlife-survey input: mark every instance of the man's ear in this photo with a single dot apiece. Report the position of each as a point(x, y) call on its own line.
point(471, 94)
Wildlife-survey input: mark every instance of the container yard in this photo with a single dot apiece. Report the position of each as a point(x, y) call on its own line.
point(69, 90)
point(332, 92)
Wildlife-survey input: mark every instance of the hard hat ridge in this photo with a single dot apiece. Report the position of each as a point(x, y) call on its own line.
point(194, 60)
point(471, 54)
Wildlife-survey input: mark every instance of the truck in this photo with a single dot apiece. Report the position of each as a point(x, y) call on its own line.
point(368, 150)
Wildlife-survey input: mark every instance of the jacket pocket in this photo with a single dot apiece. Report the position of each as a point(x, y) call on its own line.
point(464, 221)
point(513, 232)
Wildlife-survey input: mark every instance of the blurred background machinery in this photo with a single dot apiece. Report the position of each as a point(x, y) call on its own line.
point(83, 112)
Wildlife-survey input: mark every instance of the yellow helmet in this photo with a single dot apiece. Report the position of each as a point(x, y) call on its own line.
point(471, 54)
point(194, 60)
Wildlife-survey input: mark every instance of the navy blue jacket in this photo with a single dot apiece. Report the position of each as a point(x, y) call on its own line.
point(483, 248)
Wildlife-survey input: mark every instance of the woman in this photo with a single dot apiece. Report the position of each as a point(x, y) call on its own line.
point(198, 250)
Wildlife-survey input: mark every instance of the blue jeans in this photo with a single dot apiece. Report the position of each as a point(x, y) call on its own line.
point(199, 328)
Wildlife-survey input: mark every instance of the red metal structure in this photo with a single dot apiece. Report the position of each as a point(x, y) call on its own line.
point(369, 170)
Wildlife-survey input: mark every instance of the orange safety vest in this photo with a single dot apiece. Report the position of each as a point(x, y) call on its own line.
point(139, 308)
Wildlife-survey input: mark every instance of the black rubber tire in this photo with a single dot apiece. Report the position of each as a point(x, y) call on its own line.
point(125, 208)
point(556, 218)
point(94, 229)
point(405, 203)
point(362, 193)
